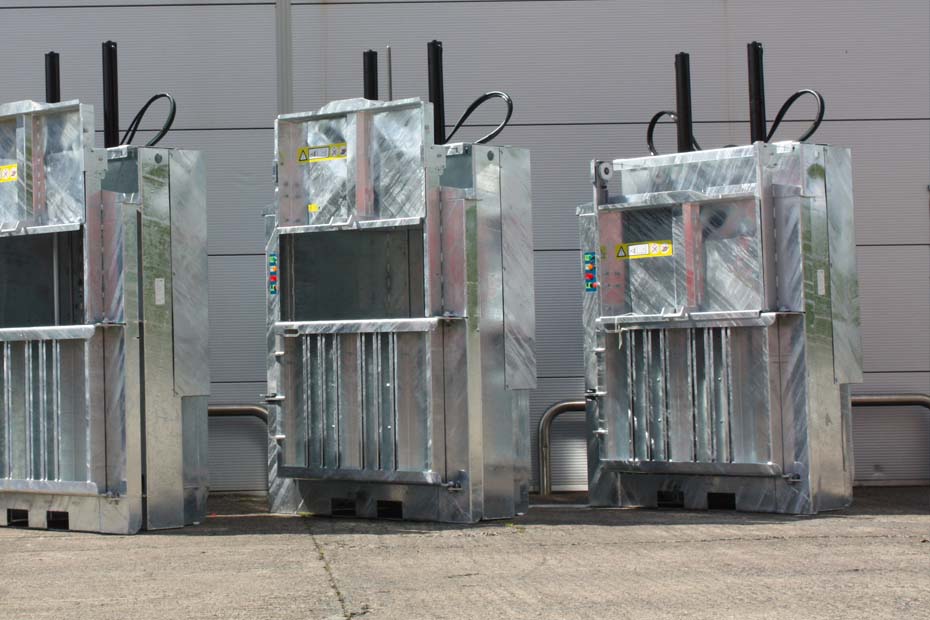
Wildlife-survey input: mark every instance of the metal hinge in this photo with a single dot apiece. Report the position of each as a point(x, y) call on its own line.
point(273, 398)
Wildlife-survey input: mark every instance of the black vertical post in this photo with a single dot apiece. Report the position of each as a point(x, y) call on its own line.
point(370, 74)
point(683, 102)
point(757, 127)
point(110, 96)
point(52, 78)
point(436, 94)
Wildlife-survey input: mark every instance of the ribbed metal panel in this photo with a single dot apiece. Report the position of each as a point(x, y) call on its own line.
point(237, 318)
point(891, 445)
point(193, 52)
point(893, 285)
point(238, 454)
point(890, 158)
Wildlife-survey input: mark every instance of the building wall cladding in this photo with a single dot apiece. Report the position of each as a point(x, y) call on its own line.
point(585, 76)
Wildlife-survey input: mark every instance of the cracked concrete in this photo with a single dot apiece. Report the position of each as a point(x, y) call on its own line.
point(559, 561)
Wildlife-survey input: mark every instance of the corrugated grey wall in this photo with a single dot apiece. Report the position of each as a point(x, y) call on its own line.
point(585, 75)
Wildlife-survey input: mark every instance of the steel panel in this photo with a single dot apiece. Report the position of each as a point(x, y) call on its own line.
point(189, 273)
point(517, 231)
point(162, 430)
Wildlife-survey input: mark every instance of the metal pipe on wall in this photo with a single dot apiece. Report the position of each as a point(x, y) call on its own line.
point(891, 400)
point(545, 424)
point(238, 411)
point(543, 439)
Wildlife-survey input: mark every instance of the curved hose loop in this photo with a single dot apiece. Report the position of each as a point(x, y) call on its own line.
point(821, 108)
point(130, 134)
point(650, 130)
point(494, 94)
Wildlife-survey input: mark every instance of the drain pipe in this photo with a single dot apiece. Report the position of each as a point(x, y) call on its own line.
point(891, 400)
point(565, 406)
point(543, 439)
point(238, 411)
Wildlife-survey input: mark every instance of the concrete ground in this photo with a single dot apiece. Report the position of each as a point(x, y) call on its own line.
point(559, 561)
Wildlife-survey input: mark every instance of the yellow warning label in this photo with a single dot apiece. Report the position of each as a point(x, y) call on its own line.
point(313, 207)
point(644, 249)
point(8, 173)
point(328, 152)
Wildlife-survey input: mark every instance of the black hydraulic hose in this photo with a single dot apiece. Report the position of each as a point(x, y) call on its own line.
point(650, 131)
point(130, 134)
point(494, 94)
point(821, 109)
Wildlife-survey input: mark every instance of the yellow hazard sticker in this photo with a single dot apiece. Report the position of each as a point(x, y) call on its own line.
point(313, 207)
point(8, 173)
point(327, 152)
point(643, 249)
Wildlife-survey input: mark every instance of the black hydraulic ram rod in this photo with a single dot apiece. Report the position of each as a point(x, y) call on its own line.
point(757, 127)
point(436, 94)
point(683, 102)
point(110, 96)
point(370, 75)
point(52, 78)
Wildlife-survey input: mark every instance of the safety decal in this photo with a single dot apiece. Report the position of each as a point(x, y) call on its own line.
point(8, 173)
point(644, 249)
point(328, 152)
point(313, 207)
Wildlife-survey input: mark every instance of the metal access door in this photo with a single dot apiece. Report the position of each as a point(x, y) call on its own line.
point(365, 402)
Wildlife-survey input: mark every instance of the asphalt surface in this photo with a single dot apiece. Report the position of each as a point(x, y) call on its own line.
point(560, 561)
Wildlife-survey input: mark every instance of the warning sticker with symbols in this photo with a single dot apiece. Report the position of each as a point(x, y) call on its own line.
point(644, 249)
point(8, 173)
point(328, 152)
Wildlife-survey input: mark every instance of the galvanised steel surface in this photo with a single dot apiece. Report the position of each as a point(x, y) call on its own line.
point(721, 329)
point(400, 318)
point(103, 323)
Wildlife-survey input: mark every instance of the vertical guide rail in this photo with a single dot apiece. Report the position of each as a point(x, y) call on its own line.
point(757, 127)
point(52, 78)
point(436, 90)
point(683, 102)
point(390, 75)
point(7, 447)
point(370, 75)
point(110, 96)
point(55, 473)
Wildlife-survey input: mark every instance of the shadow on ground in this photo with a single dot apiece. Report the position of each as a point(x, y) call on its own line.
point(238, 515)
